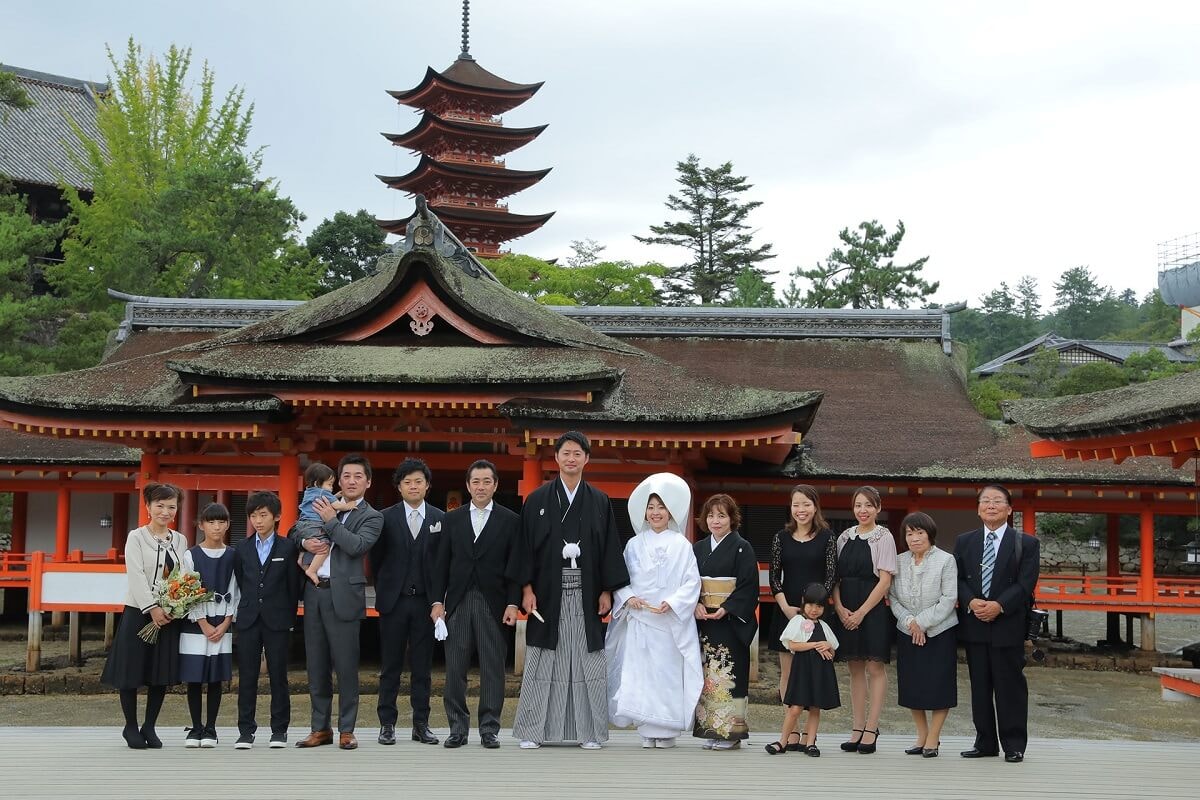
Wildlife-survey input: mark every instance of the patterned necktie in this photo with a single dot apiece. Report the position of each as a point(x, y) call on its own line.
point(989, 563)
point(414, 523)
point(480, 519)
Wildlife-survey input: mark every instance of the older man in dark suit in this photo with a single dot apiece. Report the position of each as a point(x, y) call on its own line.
point(402, 560)
point(997, 572)
point(468, 587)
point(335, 605)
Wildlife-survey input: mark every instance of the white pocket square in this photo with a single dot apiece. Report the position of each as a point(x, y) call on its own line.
point(277, 559)
point(435, 528)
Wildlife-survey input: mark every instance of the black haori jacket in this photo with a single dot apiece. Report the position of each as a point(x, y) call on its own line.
point(539, 560)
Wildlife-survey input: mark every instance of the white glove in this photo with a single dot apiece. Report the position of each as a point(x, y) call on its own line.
point(439, 630)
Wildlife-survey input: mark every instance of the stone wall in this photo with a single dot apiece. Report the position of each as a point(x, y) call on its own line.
point(1063, 554)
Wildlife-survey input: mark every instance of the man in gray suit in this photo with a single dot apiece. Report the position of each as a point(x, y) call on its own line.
point(335, 605)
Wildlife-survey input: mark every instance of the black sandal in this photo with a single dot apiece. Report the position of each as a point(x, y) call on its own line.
point(775, 748)
point(852, 745)
point(812, 749)
point(798, 747)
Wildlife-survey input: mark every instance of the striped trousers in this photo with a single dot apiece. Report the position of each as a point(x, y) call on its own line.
point(564, 692)
point(473, 626)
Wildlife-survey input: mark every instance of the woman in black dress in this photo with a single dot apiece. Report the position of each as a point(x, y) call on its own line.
point(865, 568)
point(801, 554)
point(151, 552)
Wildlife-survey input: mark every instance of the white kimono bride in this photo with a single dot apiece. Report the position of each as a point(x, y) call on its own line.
point(653, 651)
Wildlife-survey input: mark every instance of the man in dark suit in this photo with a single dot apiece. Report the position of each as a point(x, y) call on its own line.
point(995, 582)
point(335, 605)
point(469, 590)
point(402, 560)
point(268, 581)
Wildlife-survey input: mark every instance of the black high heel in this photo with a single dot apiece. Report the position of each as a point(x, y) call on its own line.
point(151, 738)
point(133, 738)
point(798, 747)
point(867, 749)
point(852, 746)
point(931, 752)
point(915, 751)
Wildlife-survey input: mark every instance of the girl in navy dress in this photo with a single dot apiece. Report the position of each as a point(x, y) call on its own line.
point(812, 683)
point(205, 641)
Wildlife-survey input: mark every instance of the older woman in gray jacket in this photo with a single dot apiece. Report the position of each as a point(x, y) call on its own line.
point(922, 598)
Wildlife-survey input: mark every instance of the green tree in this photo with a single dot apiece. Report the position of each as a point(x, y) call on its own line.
point(863, 273)
point(12, 94)
point(713, 230)
point(1084, 309)
point(28, 321)
point(1094, 377)
point(347, 247)
point(987, 394)
point(751, 290)
point(585, 252)
point(178, 207)
point(611, 283)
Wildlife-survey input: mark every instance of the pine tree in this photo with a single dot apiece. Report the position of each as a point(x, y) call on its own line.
point(863, 273)
point(713, 229)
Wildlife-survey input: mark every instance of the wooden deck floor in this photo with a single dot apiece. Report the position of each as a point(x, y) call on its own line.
point(94, 762)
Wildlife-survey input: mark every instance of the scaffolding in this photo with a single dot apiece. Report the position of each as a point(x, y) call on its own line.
point(1179, 270)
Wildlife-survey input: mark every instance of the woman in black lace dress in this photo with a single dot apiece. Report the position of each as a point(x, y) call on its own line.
point(802, 553)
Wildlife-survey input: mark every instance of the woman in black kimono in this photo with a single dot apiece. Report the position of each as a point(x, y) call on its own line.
point(727, 621)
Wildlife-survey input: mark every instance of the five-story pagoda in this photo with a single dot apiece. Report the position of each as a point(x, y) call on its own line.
point(461, 139)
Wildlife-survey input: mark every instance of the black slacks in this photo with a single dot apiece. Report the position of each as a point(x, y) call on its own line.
point(999, 697)
point(407, 627)
point(250, 644)
point(473, 625)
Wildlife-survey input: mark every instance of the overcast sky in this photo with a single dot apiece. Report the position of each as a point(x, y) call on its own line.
point(1012, 138)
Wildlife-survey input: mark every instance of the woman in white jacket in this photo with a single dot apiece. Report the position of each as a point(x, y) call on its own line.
point(653, 650)
point(922, 598)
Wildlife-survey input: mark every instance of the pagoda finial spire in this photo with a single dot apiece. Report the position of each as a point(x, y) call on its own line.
point(466, 32)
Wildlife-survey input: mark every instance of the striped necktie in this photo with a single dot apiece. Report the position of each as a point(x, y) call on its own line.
point(989, 563)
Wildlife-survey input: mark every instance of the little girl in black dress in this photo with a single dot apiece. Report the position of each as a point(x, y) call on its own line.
point(812, 683)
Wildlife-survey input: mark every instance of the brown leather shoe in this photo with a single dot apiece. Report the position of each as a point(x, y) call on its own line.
point(316, 739)
point(347, 741)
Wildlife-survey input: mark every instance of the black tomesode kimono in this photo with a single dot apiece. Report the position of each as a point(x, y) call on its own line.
point(725, 643)
point(546, 524)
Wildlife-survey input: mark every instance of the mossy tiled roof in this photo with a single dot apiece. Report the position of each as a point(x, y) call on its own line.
point(376, 364)
point(29, 448)
point(1136, 407)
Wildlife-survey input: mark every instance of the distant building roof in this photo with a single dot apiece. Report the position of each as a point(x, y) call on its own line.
point(1115, 352)
point(34, 142)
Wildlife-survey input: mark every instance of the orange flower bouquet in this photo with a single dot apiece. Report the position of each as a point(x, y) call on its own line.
point(178, 594)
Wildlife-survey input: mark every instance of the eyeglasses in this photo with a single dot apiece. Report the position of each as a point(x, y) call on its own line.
point(991, 502)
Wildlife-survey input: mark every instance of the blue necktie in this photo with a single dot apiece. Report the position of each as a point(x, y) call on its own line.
point(989, 562)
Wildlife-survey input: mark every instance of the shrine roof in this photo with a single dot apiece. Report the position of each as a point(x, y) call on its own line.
point(1126, 409)
point(376, 364)
point(481, 216)
point(480, 170)
point(29, 448)
point(466, 74)
point(890, 409)
point(34, 142)
point(465, 127)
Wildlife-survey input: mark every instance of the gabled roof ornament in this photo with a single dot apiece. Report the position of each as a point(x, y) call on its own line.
point(426, 231)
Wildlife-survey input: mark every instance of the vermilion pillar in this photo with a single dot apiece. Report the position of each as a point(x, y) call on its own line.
point(62, 524)
point(20, 521)
point(289, 490)
point(531, 473)
point(1146, 581)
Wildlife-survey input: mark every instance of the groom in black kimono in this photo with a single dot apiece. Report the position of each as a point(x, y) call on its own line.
point(566, 524)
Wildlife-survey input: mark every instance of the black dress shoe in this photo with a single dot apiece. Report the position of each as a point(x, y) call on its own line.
point(422, 734)
point(151, 738)
point(1014, 758)
point(975, 752)
point(488, 740)
point(915, 751)
point(456, 740)
point(133, 738)
point(387, 734)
